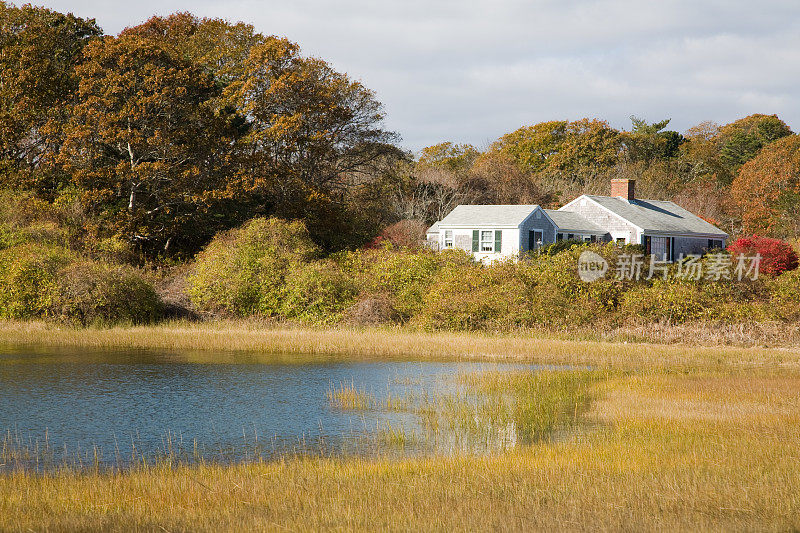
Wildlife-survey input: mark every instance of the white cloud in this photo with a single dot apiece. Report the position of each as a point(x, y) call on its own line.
point(470, 70)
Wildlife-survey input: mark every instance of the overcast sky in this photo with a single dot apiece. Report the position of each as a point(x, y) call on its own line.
point(469, 71)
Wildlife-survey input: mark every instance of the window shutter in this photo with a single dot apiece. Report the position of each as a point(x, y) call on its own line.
point(475, 240)
point(498, 241)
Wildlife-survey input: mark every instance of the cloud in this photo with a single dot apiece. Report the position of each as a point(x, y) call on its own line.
point(469, 71)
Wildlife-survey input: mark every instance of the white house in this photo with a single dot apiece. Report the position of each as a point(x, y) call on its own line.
point(490, 232)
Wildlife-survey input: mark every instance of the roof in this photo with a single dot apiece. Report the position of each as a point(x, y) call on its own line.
point(568, 220)
point(659, 216)
point(488, 215)
point(433, 229)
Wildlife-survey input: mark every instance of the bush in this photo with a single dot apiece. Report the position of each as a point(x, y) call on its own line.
point(406, 233)
point(242, 271)
point(777, 256)
point(475, 297)
point(318, 293)
point(785, 295)
point(372, 310)
point(92, 293)
point(403, 275)
point(28, 279)
point(668, 301)
point(561, 246)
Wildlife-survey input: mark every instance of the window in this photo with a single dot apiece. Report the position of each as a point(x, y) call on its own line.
point(570, 236)
point(487, 241)
point(588, 238)
point(560, 237)
point(714, 244)
point(448, 238)
point(620, 240)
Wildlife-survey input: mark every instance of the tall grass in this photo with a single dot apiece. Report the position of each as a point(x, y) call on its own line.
point(230, 341)
point(349, 397)
point(671, 451)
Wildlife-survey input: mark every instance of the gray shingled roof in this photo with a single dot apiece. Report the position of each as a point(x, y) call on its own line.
point(657, 215)
point(488, 215)
point(567, 220)
point(433, 229)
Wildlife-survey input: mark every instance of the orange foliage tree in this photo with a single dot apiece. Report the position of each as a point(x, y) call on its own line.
point(767, 190)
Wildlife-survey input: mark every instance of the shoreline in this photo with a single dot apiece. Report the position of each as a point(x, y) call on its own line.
point(232, 338)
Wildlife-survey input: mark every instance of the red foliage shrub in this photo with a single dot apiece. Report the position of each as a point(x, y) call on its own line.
point(406, 233)
point(777, 256)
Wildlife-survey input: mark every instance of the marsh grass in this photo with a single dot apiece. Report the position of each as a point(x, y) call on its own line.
point(672, 451)
point(348, 397)
point(241, 341)
point(671, 438)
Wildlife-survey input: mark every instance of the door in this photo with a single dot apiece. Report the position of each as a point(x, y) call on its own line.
point(535, 239)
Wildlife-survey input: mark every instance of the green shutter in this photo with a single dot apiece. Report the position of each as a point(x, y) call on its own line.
point(498, 241)
point(476, 240)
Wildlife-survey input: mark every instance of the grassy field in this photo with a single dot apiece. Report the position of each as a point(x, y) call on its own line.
point(224, 341)
point(674, 437)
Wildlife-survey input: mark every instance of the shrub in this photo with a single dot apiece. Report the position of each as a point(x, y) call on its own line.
point(777, 256)
point(90, 293)
point(28, 279)
point(559, 274)
point(785, 295)
point(242, 271)
point(475, 297)
point(372, 310)
point(403, 275)
point(318, 292)
point(669, 301)
point(561, 246)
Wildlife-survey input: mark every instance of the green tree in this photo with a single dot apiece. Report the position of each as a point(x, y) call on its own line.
point(650, 142)
point(741, 141)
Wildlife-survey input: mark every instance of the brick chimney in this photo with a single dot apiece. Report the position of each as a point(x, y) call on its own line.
point(624, 188)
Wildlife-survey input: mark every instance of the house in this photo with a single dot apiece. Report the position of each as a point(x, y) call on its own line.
point(490, 232)
point(664, 228)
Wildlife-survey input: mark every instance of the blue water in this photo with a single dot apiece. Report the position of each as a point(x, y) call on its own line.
point(121, 405)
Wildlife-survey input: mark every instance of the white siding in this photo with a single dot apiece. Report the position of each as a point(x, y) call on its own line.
point(462, 239)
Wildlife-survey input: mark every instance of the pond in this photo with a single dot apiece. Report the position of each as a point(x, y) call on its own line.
point(115, 407)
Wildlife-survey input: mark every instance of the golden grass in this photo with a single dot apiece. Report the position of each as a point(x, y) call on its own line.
point(351, 398)
point(648, 466)
point(228, 341)
point(678, 438)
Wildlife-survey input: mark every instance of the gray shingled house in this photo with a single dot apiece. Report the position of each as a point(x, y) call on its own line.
point(494, 231)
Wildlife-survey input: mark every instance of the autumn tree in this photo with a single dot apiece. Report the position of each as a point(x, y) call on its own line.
point(313, 134)
point(39, 50)
point(143, 144)
point(218, 46)
point(506, 183)
point(767, 190)
point(581, 147)
point(440, 179)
